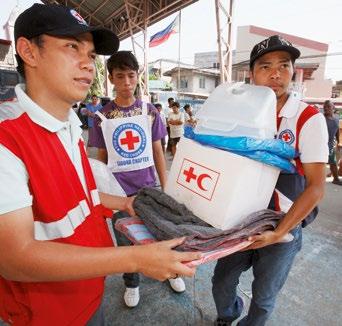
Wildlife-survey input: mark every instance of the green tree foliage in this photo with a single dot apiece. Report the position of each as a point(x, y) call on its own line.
point(98, 85)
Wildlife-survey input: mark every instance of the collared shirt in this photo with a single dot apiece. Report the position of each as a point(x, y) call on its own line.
point(313, 138)
point(14, 190)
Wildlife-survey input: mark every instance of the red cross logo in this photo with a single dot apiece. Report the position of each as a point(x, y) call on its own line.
point(198, 178)
point(78, 16)
point(130, 140)
point(189, 174)
point(286, 137)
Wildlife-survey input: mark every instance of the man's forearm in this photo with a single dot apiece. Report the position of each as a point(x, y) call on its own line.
point(301, 208)
point(45, 261)
point(114, 202)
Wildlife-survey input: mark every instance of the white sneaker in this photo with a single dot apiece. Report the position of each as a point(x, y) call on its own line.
point(177, 284)
point(132, 297)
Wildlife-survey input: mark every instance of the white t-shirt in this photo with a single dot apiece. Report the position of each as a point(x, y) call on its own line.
point(176, 131)
point(14, 190)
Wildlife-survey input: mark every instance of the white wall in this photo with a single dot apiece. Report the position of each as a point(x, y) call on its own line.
point(318, 87)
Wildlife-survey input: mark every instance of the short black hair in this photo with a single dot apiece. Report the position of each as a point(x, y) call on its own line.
point(38, 40)
point(157, 105)
point(186, 106)
point(94, 95)
point(122, 60)
point(176, 104)
point(170, 99)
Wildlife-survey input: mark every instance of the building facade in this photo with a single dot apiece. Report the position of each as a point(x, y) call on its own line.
point(310, 67)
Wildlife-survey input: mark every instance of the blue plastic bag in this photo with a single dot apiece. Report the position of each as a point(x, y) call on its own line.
point(273, 152)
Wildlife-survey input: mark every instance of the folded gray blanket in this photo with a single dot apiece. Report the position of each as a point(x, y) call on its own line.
point(166, 219)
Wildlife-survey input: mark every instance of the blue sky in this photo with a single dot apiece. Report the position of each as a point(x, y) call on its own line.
point(312, 19)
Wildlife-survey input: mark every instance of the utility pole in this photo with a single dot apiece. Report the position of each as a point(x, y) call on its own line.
point(224, 39)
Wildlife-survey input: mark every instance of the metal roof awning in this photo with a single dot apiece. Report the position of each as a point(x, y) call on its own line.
point(113, 14)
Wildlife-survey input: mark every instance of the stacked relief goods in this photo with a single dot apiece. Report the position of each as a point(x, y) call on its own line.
point(228, 166)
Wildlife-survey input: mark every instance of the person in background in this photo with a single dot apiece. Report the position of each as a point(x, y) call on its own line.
point(170, 101)
point(89, 112)
point(334, 134)
point(176, 123)
point(129, 141)
point(55, 245)
point(159, 107)
point(272, 253)
point(82, 117)
point(189, 116)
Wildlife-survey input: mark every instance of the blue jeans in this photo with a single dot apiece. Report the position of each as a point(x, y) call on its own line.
point(271, 266)
point(131, 280)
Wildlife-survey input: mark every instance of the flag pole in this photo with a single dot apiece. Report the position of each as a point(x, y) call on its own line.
point(179, 46)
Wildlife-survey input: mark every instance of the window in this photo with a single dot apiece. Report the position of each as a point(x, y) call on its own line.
point(183, 82)
point(202, 82)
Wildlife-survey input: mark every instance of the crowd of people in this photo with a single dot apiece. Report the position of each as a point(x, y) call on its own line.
point(52, 217)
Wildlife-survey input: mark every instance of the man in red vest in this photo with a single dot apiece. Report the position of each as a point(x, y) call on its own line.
point(55, 245)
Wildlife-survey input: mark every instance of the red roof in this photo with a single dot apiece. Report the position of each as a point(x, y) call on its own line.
point(293, 39)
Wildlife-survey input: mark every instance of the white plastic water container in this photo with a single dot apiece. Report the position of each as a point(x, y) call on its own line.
point(219, 187)
point(238, 109)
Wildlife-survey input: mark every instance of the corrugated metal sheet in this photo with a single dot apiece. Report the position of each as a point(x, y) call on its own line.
point(113, 14)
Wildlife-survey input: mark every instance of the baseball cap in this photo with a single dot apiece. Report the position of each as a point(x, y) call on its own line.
point(273, 43)
point(58, 20)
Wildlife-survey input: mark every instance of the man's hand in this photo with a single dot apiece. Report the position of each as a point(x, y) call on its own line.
point(159, 261)
point(128, 206)
point(264, 239)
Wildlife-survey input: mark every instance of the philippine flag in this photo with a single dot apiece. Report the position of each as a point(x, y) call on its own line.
point(164, 35)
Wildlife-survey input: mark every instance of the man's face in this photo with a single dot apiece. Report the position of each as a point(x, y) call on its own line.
point(125, 82)
point(66, 66)
point(175, 109)
point(328, 109)
point(94, 100)
point(275, 70)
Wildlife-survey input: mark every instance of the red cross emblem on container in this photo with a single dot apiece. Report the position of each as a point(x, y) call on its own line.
point(198, 178)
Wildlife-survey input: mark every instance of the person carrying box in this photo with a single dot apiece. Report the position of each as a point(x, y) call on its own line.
point(55, 244)
point(272, 253)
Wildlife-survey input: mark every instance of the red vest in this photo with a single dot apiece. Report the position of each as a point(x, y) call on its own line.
point(62, 213)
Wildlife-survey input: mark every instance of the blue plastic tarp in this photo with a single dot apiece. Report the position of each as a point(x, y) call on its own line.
point(273, 152)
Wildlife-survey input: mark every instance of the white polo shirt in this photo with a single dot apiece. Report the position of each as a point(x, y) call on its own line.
point(313, 137)
point(14, 190)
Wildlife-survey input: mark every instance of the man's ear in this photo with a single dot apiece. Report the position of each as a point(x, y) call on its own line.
point(110, 77)
point(27, 51)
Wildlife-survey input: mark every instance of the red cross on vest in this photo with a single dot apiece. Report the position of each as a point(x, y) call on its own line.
point(189, 174)
point(130, 140)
